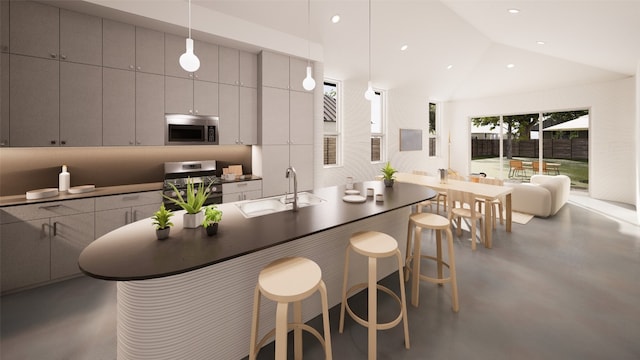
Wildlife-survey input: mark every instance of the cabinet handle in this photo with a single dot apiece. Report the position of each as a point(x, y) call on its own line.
point(4, 142)
point(130, 197)
point(55, 228)
point(49, 207)
point(63, 142)
point(131, 67)
point(63, 56)
point(130, 142)
point(191, 75)
point(135, 215)
point(126, 217)
point(53, 55)
point(139, 68)
point(53, 142)
point(138, 143)
point(197, 111)
point(242, 184)
point(190, 111)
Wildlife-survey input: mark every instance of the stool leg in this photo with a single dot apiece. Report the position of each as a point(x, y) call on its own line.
point(255, 324)
point(325, 321)
point(281, 331)
point(344, 288)
point(439, 253)
point(297, 332)
point(415, 286)
point(409, 254)
point(452, 272)
point(373, 307)
point(403, 305)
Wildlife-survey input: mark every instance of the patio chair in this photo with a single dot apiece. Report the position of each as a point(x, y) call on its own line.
point(515, 168)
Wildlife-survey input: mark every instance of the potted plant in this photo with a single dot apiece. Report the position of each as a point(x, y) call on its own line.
point(212, 216)
point(387, 174)
point(162, 221)
point(192, 204)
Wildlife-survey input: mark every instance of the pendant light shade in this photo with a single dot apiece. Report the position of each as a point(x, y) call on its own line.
point(308, 83)
point(189, 61)
point(368, 94)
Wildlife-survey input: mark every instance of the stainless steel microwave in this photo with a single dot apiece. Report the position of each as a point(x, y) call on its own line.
point(182, 129)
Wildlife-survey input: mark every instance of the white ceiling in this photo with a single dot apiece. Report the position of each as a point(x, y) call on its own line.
point(585, 41)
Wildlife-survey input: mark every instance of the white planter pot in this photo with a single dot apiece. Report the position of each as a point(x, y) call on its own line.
point(192, 221)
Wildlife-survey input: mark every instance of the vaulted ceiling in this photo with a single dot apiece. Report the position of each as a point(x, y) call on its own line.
point(584, 41)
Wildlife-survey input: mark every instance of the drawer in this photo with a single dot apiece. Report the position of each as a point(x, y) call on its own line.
point(13, 214)
point(128, 200)
point(229, 188)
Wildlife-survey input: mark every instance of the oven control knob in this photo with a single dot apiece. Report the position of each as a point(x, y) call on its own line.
point(214, 189)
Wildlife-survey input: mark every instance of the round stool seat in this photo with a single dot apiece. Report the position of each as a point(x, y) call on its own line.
point(302, 279)
point(374, 244)
point(430, 220)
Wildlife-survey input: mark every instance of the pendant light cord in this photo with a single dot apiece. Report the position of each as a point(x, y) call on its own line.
point(309, 33)
point(369, 40)
point(189, 19)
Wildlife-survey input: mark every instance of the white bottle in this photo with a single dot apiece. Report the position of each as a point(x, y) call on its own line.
point(64, 179)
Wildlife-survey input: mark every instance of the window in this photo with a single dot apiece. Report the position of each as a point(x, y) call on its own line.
point(377, 127)
point(331, 123)
point(433, 135)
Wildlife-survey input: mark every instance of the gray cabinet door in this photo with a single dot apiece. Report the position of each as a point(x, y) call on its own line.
point(34, 29)
point(301, 117)
point(80, 38)
point(275, 70)
point(34, 102)
point(275, 116)
point(24, 253)
point(248, 69)
point(118, 45)
point(149, 109)
point(4, 99)
point(4, 26)
point(208, 55)
point(248, 116)
point(118, 107)
point(69, 236)
point(174, 46)
point(229, 66)
point(80, 105)
point(229, 114)
point(149, 51)
point(205, 98)
point(109, 220)
point(178, 96)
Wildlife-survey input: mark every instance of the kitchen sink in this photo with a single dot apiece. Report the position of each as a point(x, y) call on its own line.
point(259, 207)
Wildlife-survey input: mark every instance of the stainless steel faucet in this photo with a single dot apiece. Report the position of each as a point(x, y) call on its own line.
point(291, 170)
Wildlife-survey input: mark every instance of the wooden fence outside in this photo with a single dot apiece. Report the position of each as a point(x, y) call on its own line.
point(574, 149)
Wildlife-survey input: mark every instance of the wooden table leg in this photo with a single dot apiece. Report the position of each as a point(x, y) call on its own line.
point(488, 220)
point(508, 211)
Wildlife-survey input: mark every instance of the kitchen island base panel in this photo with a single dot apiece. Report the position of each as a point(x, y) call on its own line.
point(206, 313)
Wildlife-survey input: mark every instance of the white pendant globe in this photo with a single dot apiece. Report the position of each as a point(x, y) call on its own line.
point(308, 83)
point(189, 61)
point(369, 93)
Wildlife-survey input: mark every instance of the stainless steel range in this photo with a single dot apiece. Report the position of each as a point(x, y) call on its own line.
point(201, 172)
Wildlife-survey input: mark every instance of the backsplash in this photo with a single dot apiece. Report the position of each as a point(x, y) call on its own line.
point(24, 169)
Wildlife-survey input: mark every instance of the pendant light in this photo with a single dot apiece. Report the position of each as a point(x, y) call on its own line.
point(308, 83)
point(189, 61)
point(369, 93)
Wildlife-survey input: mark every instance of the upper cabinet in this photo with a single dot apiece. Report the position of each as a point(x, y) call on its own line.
point(34, 29)
point(80, 38)
point(206, 53)
point(118, 45)
point(149, 51)
point(283, 72)
point(238, 68)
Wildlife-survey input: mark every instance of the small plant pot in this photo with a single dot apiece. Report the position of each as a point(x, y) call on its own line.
point(212, 229)
point(162, 234)
point(192, 221)
point(388, 182)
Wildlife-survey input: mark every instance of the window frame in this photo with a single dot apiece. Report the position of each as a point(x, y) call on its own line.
point(383, 128)
point(436, 133)
point(337, 134)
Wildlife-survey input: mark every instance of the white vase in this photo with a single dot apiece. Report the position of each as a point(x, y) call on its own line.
point(192, 221)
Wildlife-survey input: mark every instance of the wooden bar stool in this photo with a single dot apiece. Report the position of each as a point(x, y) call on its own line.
point(417, 222)
point(374, 245)
point(284, 281)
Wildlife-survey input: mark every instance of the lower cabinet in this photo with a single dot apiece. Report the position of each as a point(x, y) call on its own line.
point(115, 211)
point(245, 190)
point(41, 242)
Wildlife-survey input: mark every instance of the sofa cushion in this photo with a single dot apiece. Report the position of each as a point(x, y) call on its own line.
point(530, 199)
point(558, 185)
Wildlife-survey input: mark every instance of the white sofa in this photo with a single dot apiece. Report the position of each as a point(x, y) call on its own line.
point(542, 197)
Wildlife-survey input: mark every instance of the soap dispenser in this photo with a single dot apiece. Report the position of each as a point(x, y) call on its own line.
point(64, 179)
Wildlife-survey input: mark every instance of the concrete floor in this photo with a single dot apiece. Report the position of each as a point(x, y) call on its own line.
point(560, 288)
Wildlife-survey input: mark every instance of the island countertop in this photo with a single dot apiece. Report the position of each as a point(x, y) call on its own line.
point(132, 252)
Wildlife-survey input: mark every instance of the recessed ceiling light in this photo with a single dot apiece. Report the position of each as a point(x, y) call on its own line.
point(404, 47)
point(449, 67)
point(513, 11)
point(335, 19)
point(540, 42)
point(510, 66)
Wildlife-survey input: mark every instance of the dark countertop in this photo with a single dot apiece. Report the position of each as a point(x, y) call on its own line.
point(133, 253)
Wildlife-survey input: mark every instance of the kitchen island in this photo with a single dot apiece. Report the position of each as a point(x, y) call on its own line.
point(190, 296)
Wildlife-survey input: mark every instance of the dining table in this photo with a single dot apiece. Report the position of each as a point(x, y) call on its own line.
point(487, 192)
